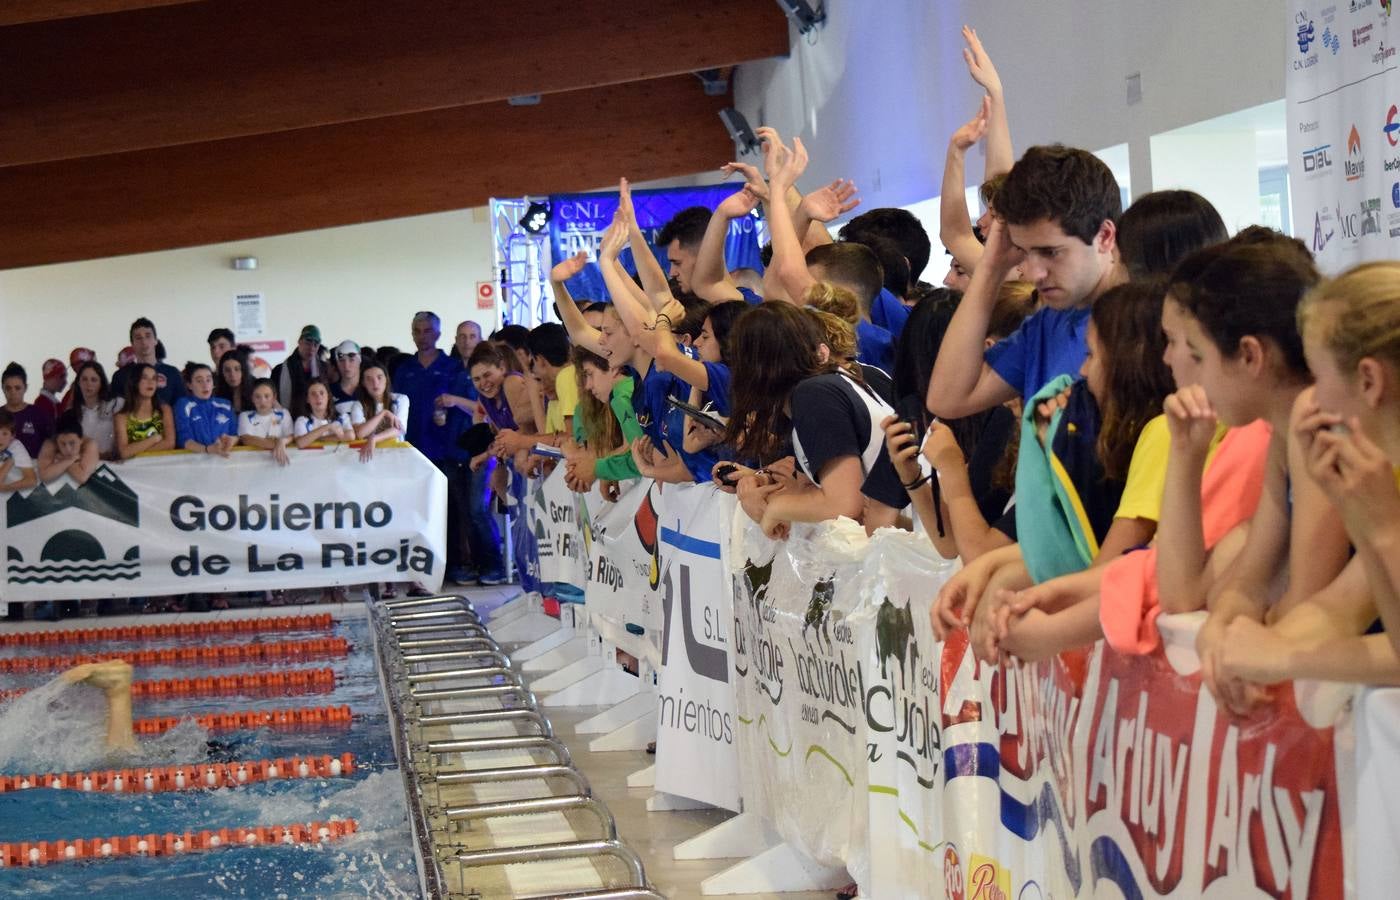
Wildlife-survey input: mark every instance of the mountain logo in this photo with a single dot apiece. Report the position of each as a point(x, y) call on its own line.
point(61, 549)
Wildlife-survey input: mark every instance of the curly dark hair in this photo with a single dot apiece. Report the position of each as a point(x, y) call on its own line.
point(1128, 319)
point(774, 347)
point(1063, 184)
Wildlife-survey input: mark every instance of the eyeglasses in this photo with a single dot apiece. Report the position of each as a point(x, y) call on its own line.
point(347, 356)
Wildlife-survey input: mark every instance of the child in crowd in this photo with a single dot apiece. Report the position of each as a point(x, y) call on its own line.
point(266, 426)
point(1347, 429)
point(205, 423)
point(32, 424)
point(68, 452)
point(380, 415)
point(321, 423)
point(145, 425)
point(234, 382)
point(17, 471)
point(97, 413)
point(792, 398)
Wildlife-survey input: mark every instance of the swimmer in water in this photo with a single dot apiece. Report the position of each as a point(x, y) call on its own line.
point(113, 678)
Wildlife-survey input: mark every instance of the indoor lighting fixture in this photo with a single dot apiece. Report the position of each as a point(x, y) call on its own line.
point(536, 218)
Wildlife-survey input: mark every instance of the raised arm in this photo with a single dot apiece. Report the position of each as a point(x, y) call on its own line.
point(1000, 155)
point(710, 280)
point(784, 168)
point(636, 315)
point(816, 210)
point(962, 382)
point(654, 281)
point(954, 220)
point(580, 332)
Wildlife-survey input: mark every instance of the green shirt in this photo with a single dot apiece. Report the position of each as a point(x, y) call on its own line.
point(620, 466)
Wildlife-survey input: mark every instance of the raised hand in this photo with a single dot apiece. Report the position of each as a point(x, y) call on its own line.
point(826, 203)
point(1191, 419)
point(979, 64)
point(975, 129)
point(614, 239)
point(775, 152)
point(625, 210)
point(738, 204)
point(570, 267)
point(793, 167)
point(753, 178)
point(1357, 477)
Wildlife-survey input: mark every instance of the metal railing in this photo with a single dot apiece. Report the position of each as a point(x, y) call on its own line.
point(441, 666)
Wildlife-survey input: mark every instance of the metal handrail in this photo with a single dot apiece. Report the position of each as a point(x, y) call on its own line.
point(442, 655)
point(502, 669)
point(401, 631)
point(496, 657)
point(504, 808)
point(631, 893)
point(413, 602)
point(482, 744)
point(472, 640)
point(480, 691)
point(467, 614)
point(485, 717)
point(514, 773)
point(504, 856)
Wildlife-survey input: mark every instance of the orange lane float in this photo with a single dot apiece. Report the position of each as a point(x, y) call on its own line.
point(313, 716)
point(293, 681)
point(200, 776)
point(212, 655)
point(40, 853)
point(318, 622)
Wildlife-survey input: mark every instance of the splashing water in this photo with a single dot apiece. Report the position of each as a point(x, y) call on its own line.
point(62, 727)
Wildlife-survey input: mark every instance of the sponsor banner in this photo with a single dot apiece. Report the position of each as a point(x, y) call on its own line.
point(553, 520)
point(695, 700)
point(800, 684)
point(579, 220)
point(180, 523)
point(623, 569)
point(1342, 84)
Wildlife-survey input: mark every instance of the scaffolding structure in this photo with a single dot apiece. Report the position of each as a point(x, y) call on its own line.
point(522, 265)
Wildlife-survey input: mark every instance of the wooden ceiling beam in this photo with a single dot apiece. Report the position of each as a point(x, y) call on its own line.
point(200, 72)
point(357, 172)
point(20, 12)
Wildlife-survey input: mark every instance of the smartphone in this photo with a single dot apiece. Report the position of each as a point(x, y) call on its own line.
point(547, 450)
point(727, 474)
point(699, 415)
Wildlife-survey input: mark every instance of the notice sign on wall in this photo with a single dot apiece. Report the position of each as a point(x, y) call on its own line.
point(249, 316)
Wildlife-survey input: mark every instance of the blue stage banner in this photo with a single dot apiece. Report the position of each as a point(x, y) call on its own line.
point(579, 220)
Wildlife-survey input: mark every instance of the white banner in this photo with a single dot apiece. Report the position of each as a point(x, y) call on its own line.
point(182, 523)
point(553, 512)
point(1342, 89)
point(624, 569)
point(695, 702)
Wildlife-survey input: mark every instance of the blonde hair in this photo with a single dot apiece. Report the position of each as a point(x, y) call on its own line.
point(838, 334)
point(1362, 317)
point(834, 299)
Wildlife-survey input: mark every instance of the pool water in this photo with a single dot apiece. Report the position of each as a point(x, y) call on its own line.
point(377, 861)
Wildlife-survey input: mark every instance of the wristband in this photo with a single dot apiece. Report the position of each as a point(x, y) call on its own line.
point(918, 483)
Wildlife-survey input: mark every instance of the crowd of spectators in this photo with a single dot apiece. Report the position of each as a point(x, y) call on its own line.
point(1105, 414)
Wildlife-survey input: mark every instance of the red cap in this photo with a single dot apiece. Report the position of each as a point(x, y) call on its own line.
point(127, 355)
point(79, 356)
point(54, 368)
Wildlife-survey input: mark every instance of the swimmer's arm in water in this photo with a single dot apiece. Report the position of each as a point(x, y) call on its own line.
point(113, 677)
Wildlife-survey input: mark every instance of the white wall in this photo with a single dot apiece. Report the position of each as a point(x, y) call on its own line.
point(878, 91)
point(360, 281)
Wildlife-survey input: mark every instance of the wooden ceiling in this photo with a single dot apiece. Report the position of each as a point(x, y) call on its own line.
point(136, 125)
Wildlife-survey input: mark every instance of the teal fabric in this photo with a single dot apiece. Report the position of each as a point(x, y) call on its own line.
point(1053, 543)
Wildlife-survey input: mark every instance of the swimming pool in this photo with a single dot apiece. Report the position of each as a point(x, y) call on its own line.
point(376, 861)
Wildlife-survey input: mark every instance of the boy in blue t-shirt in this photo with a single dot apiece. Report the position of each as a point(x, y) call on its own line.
point(1058, 210)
